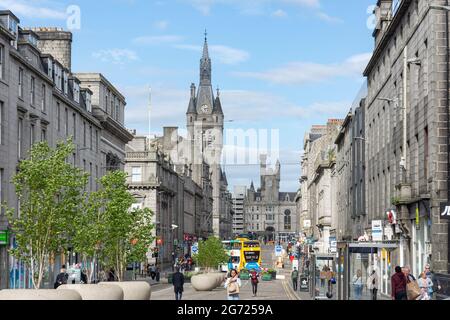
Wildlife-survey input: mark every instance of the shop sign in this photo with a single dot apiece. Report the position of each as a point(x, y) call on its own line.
point(333, 245)
point(304, 284)
point(4, 237)
point(388, 232)
point(445, 211)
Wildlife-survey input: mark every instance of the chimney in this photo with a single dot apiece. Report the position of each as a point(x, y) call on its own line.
point(57, 42)
point(170, 138)
point(193, 89)
point(383, 14)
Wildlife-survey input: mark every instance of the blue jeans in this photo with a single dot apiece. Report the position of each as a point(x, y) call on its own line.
point(178, 295)
point(233, 297)
point(358, 291)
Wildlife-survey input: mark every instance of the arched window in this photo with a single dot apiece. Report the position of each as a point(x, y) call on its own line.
point(287, 219)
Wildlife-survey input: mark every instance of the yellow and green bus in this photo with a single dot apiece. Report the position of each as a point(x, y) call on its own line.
point(250, 255)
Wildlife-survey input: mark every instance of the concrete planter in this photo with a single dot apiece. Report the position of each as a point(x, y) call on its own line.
point(204, 282)
point(95, 291)
point(132, 290)
point(41, 294)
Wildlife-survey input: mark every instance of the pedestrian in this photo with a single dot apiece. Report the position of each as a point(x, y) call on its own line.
point(254, 280)
point(178, 283)
point(436, 284)
point(425, 284)
point(157, 274)
point(111, 275)
point(372, 284)
point(413, 291)
point(83, 277)
point(357, 284)
point(398, 283)
point(294, 278)
point(233, 284)
point(62, 277)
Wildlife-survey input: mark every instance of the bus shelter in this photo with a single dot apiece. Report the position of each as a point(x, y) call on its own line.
point(322, 271)
point(357, 261)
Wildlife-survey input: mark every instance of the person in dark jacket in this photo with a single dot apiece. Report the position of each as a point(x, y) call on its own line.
point(112, 275)
point(398, 281)
point(62, 277)
point(178, 283)
point(83, 277)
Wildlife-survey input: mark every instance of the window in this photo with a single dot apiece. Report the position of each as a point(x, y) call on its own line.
point(66, 122)
point(117, 112)
point(21, 82)
point(112, 106)
point(74, 118)
point(90, 136)
point(32, 91)
point(96, 140)
point(74, 159)
point(136, 174)
point(2, 60)
point(44, 98)
point(19, 137)
point(84, 134)
point(32, 135)
point(96, 177)
point(106, 103)
point(58, 110)
point(43, 135)
point(91, 178)
point(1, 122)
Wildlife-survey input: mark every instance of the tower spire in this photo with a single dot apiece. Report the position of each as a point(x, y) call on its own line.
point(205, 47)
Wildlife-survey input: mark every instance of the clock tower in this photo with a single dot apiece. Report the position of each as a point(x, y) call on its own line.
point(204, 122)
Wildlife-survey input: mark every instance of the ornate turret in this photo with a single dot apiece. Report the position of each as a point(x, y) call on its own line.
point(217, 104)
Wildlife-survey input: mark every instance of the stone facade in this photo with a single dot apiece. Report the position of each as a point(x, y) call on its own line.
point(41, 99)
point(268, 212)
point(407, 166)
point(179, 204)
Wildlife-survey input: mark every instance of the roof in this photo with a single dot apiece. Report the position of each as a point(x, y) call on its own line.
point(282, 196)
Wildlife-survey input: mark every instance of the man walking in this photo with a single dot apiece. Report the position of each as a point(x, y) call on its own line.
point(436, 284)
point(398, 282)
point(178, 283)
point(294, 277)
point(62, 277)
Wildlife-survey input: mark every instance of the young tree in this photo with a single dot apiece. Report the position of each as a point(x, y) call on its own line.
point(125, 234)
point(50, 191)
point(211, 254)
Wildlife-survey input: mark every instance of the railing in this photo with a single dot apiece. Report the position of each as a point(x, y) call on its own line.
point(138, 155)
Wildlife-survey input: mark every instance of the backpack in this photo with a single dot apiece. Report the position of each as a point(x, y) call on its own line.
point(254, 277)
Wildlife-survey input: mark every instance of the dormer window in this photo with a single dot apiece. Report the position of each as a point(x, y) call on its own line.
point(32, 39)
point(13, 25)
point(65, 82)
point(57, 74)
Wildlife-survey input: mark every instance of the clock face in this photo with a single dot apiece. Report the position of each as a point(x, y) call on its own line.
point(204, 108)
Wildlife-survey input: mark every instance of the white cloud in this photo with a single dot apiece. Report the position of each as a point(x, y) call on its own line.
point(307, 72)
point(161, 25)
point(327, 18)
point(279, 13)
point(249, 6)
point(33, 9)
point(115, 56)
point(221, 53)
point(153, 40)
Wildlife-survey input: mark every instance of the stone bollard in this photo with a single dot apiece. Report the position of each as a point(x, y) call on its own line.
point(40, 294)
point(132, 290)
point(204, 282)
point(95, 291)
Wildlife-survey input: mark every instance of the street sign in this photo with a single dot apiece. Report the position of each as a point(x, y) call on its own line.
point(333, 244)
point(304, 284)
point(194, 248)
point(377, 230)
point(4, 237)
point(278, 250)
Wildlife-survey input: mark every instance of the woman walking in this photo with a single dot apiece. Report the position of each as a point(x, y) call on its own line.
point(254, 279)
point(425, 284)
point(372, 284)
point(357, 284)
point(233, 285)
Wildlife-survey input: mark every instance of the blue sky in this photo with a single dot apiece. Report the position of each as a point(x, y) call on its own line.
point(280, 64)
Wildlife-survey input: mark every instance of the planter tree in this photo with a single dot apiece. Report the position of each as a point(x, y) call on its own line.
point(111, 232)
point(50, 191)
point(210, 254)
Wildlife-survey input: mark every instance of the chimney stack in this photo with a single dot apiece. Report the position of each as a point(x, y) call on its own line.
point(57, 42)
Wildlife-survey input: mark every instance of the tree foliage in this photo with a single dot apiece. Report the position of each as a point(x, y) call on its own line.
point(211, 253)
point(50, 192)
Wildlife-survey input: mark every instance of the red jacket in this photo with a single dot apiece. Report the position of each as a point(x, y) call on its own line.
point(398, 281)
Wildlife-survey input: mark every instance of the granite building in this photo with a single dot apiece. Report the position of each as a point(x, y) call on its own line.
point(42, 99)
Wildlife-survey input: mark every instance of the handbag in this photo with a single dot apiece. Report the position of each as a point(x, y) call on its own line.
point(233, 288)
point(412, 290)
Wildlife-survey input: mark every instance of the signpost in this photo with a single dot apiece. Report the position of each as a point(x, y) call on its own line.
point(304, 284)
point(377, 230)
point(194, 248)
point(278, 250)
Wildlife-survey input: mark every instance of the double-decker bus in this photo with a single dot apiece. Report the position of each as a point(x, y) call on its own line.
point(250, 255)
point(233, 250)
